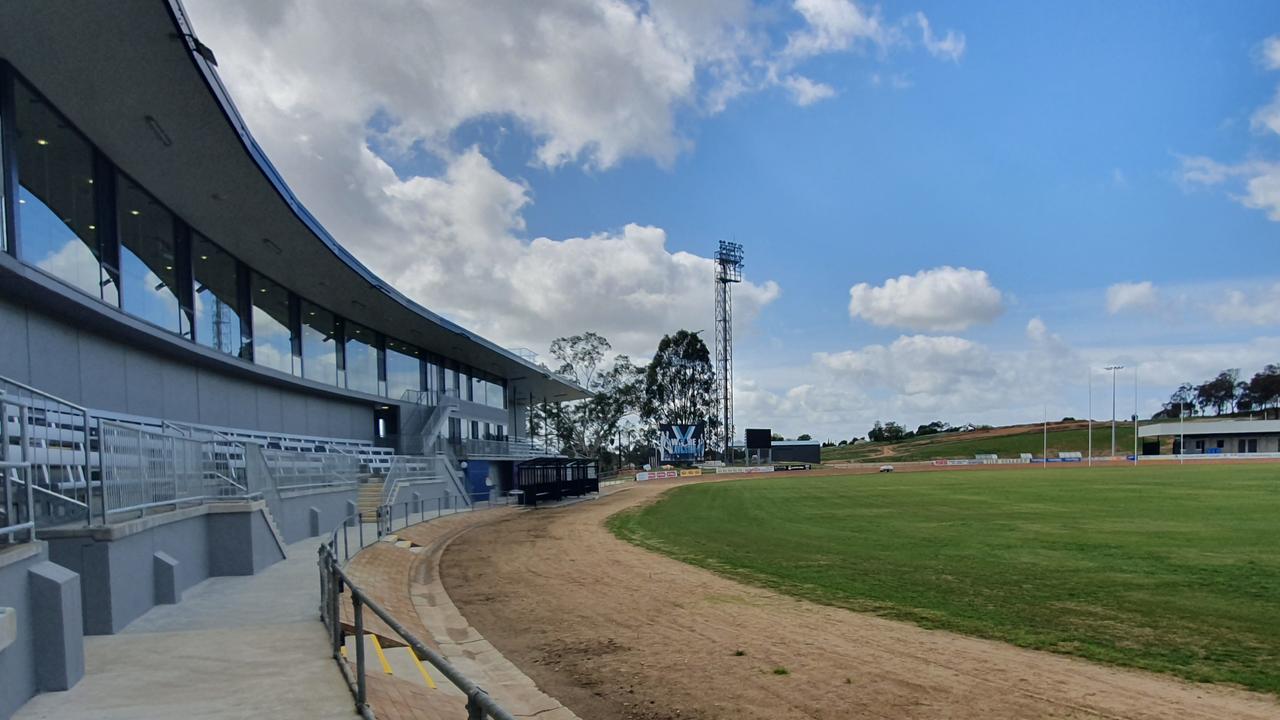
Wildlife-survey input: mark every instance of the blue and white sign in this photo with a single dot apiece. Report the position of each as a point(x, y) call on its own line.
point(682, 443)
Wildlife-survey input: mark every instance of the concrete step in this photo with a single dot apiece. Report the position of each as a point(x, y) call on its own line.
point(398, 661)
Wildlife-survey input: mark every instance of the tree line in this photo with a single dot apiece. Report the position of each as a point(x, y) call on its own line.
point(677, 385)
point(1226, 393)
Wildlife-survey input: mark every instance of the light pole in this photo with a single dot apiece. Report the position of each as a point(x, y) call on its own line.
point(1113, 369)
point(1090, 416)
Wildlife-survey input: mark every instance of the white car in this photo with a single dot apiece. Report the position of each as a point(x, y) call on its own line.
point(886, 468)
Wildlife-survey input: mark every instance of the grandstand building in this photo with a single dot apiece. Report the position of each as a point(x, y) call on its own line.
point(1231, 436)
point(177, 329)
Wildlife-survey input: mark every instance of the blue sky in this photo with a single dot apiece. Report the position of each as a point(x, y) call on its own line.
point(1052, 153)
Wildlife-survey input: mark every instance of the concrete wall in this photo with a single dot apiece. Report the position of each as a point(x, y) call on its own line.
point(294, 518)
point(101, 373)
point(45, 651)
point(118, 565)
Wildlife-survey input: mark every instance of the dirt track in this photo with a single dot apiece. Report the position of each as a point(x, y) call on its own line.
point(613, 631)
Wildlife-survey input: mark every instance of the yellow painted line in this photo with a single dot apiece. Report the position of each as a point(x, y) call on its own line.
point(377, 646)
point(430, 683)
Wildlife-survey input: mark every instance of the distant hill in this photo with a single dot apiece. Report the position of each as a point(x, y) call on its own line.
point(1007, 442)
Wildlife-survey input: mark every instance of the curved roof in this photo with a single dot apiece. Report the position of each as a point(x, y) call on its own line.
point(120, 70)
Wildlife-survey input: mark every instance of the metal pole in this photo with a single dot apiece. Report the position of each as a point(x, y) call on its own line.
point(358, 609)
point(1182, 434)
point(1046, 438)
point(88, 487)
point(1091, 417)
point(1135, 415)
point(1113, 369)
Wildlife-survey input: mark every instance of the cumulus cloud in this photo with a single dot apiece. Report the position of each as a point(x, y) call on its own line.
point(626, 285)
point(1260, 306)
point(948, 47)
point(588, 82)
point(919, 378)
point(1253, 183)
point(943, 299)
point(1131, 296)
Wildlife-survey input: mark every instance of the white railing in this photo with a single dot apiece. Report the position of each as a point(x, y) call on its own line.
point(141, 469)
point(298, 471)
point(52, 436)
point(18, 505)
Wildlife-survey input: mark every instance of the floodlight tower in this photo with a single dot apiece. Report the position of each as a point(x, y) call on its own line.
point(728, 271)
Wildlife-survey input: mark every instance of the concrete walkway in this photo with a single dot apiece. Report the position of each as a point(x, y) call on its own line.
point(235, 647)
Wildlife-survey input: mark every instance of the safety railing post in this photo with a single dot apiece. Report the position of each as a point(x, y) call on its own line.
point(88, 507)
point(102, 477)
point(358, 609)
point(474, 711)
point(360, 523)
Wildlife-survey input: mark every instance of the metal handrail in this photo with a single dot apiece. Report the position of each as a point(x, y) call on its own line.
point(34, 409)
point(333, 579)
point(30, 525)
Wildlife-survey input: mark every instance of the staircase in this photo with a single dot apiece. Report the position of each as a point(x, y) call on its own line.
point(369, 498)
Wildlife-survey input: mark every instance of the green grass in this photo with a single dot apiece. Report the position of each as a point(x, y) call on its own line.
point(963, 445)
point(1172, 569)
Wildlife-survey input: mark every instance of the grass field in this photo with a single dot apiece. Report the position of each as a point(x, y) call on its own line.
point(1173, 569)
point(963, 445)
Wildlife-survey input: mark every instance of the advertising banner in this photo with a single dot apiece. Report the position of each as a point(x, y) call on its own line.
point(682, 443)
point(657, 475)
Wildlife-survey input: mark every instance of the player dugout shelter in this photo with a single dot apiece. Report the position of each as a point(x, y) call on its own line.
point(549, 479)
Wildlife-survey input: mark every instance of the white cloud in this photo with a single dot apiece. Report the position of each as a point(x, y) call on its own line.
point(1131, 296)
point(1271, 53)
point(1260, 306)
point(918, 378)
point(590, 82)
point(626, 285)
point(1254, 183)
point(833, 26)
point(805, 91)
point(943, 299)
point(948, 47)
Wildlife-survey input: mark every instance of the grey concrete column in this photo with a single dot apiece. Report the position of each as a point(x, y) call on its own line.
point(59, 629)
point(165, 570)
point(313, 518)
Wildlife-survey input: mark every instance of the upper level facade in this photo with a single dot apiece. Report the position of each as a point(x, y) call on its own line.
point(136, 210)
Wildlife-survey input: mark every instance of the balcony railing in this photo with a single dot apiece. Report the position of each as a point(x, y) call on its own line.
point(504, 448)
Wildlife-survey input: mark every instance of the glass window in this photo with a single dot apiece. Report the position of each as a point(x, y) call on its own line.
point(57, 198)
point(495, 394)
point(272, 338)
point(362, 359)
point(217, 296)
point(464, 382)
point(404, 369)
point(433, 377)
point(148, 260)
point(319, 346)
point(451, 381)
point(477, 388)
